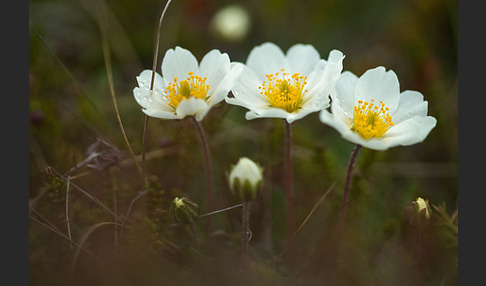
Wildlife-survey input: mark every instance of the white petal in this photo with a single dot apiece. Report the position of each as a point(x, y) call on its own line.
point(148, 99)
point(161, 114)
point(411, 104)
point(317, 102)
point(374, 144)
point(221, 89)
point(214, 66)
point(246, 88)
point(325, 74)
point(267, 58)
point(301, 114)
point(380, 85)
point(345, 91)
point(333, 67)
point(178, 63)
point(236, 101)
point(410, 131)
point(302, 58)
point(190, 107)
point(144, 80)
point(201, 114)
point(267, 113)
point(321, 81)
point(316, 82)
point(340, 123)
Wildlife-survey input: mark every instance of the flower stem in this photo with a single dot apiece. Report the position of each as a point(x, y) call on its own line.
point(416, 244)
point(344, 204)
point(245, 232)
point(209, 175)
point(289, 180)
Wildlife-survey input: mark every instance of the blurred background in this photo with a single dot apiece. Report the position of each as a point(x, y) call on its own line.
point(83, 52)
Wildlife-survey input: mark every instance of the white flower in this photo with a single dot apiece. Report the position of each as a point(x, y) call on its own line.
point(245, 179)
point(186, 88)
point(288, 86)
point(371, 111)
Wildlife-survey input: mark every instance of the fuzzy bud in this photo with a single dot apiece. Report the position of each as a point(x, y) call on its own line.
point(245, 179)
point(418, 212)
point(183, 210)
point(422, 207)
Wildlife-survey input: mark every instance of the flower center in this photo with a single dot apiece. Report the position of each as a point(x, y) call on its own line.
point(193, 86)
point(286, 92)
point(371, 120)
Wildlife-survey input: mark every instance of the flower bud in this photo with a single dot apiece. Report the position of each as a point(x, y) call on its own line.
point(422, 207)
point(183, 210)
point(245, 179)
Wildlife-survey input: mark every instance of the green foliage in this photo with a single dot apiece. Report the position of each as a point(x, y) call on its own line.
point(70, 107)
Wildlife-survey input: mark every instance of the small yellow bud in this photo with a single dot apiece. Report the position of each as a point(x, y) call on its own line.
point(183, 210)
point(422, 207)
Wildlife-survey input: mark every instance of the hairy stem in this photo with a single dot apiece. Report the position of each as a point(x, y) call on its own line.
point(352, 159)
point(245, 232)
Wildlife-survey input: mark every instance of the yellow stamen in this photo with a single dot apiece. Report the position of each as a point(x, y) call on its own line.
point(193, 86)
point(285, 93)
point(371, 120)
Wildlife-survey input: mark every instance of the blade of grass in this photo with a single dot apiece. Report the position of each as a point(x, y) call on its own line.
point(319, 202)
point(82, 241)
point(67, 209)
point(154, 64)
point(109, 73)
point(87, 194)
point(121, 45)
point(127, 213)
point(65, 237)
point(47, 224)
point(76, 83)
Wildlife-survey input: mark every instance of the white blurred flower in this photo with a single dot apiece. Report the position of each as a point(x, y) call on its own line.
point(186, 88)
point(245, 179)
point(371, 111)
point(231, 23)
point(288, 86)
